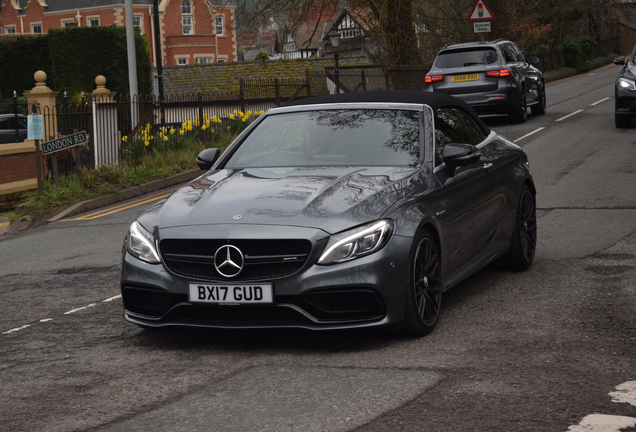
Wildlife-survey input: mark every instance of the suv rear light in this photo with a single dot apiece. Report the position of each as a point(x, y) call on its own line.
point(431, 79)
point(502, 73)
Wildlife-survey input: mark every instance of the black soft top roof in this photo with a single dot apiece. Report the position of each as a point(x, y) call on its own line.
point(434, 100)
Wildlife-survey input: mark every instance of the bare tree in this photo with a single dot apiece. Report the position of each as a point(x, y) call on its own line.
point(389, 23)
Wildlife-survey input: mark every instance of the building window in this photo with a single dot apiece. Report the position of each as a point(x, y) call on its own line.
point(186, 17)
point(203, 60)
point(9, 29)
point(182, 61)
point(221, 60)
point(93, 21)
point(68, 23)
point(219, 26)
point(36, 28)
point(137, 21)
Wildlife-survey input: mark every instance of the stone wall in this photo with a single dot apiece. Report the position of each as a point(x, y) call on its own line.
point(224, 77)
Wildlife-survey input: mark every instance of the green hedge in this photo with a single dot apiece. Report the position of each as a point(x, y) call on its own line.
point(20, 58)
point(72, 58)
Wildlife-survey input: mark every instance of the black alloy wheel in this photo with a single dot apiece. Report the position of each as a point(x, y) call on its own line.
point(424, 287)
point(521, 113)
point(524, 235)
point(540, 107)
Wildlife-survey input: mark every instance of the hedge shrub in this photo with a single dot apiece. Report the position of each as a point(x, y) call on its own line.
point(72, 58)
point(20, 58)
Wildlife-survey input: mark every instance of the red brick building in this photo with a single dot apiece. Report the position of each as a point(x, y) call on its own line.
point(191, 31)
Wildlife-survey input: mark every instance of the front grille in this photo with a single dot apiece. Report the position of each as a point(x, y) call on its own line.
point(264, 259)
point(236, 315)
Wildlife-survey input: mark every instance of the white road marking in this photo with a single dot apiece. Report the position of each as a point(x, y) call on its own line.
point(625, 393)
point(79, 309)
point(569, 115)
point(603, 423)
point(17, 329)
point(65, 313)
point(598, 102)
point(528, 134)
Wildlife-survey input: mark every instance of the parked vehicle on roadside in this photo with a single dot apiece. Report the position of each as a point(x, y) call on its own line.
point(625, 91)
point(13, 129)
point(351, 210)
point(492, 77)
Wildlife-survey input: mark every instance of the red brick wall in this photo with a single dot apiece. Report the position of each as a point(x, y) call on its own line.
point(16, 167)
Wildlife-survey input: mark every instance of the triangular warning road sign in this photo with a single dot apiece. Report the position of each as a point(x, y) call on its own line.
point(480, 12)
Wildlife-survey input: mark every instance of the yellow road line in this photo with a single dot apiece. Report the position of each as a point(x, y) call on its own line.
point(4, 223)
point(118, 208)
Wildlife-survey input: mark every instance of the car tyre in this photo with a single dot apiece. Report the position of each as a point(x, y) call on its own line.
point(524, 234)
point(423, 287)
point(540, 107)
point(521, 113)
point(622, 121)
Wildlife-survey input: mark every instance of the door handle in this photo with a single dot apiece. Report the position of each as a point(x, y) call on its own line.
point(487, 166)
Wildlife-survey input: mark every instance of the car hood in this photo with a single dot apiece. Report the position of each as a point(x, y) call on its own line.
point(327, 198)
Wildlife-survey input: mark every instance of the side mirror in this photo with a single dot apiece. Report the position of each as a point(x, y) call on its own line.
point(207, 157)
point(455, 155)
point(534, 60)
point(620, 61)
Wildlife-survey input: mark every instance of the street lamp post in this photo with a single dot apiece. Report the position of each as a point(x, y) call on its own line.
point(334, 40)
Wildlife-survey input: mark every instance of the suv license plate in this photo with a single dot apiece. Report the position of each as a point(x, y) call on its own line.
point(230, 294)
point(461, 78)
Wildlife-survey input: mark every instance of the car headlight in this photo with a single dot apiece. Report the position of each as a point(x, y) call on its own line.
point(357, 242)
point(627, 84)
point(142, 245)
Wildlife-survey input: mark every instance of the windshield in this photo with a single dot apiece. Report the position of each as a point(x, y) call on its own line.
point(333, 138)
point(466, 57)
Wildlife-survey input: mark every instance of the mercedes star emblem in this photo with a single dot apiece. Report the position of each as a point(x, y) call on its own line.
point(228, 261)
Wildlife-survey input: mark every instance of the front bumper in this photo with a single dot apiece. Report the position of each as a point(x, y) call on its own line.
point(625, 103)
point(365, 292)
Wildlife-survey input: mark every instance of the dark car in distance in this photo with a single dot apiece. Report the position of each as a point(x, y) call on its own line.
point(625, 91)
point(13, 128)
point(492, 77)
point(344, 211)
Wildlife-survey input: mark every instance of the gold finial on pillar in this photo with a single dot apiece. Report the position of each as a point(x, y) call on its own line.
point(40, 83)
point(100, 81)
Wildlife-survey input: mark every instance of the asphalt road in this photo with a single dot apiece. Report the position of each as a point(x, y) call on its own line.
point(534, 351)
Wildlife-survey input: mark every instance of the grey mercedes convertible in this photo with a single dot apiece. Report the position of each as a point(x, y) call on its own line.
point(344, 211)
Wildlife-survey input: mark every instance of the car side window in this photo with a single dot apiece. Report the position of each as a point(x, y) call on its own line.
point(474, 129)
point(519, 55)
point(509, 54)
point(449, 128)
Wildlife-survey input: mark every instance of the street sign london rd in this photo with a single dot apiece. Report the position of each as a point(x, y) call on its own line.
point(480, 12)
point(63, 143)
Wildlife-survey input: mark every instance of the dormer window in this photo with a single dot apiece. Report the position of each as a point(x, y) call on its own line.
point(186, 17)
